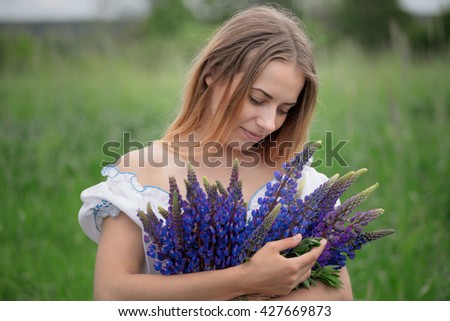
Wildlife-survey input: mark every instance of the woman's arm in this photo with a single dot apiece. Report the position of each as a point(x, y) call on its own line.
point(121, 256)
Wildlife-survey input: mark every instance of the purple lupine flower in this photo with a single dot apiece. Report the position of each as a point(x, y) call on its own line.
point(284, 184)
point(152, 227)
point(283, 190)
point(363, 238)
point(258, 236)
point(335, 229)
point(237, 215)
point(198, 233)
point(209, 228)
point(174, 212)
point(339, 215)
point(361, 219)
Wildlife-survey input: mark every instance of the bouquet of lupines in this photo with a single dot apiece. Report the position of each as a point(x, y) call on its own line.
point(208, 229)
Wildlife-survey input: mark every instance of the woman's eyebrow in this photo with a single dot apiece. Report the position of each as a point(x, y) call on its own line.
point(269, 96)
point(265, 93)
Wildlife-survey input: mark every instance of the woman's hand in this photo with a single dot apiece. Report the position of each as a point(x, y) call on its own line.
point(273, 274)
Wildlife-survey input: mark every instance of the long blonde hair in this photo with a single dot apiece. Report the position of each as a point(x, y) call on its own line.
point(250, 40)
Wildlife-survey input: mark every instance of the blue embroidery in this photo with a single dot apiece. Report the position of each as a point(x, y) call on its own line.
point(98, 210)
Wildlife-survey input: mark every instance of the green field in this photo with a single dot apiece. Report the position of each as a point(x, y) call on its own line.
point(59, 105)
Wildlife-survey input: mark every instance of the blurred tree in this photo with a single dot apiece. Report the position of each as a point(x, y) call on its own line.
point(219, 10)
point(370, 22)
point(17, 50)
point(430, 34)
point(214, 10)
point(167, 16)
point(122, 10)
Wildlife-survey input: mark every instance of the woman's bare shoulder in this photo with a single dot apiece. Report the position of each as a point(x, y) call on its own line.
point(152, 165)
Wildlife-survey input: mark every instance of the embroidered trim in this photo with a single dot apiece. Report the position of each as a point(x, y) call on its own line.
point(99, 211)
point(112, 171)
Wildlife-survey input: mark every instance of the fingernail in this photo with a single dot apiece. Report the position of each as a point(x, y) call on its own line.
point(297, 237)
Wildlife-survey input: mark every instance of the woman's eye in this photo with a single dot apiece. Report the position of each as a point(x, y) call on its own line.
point(255, 101)
point(282, 112)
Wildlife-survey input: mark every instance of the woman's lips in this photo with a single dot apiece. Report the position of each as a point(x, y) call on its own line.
point(251, 135)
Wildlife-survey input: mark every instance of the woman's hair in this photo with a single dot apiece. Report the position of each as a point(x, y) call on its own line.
point(249, 41)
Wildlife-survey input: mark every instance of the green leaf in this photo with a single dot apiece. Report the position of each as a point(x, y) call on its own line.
point(304, 246)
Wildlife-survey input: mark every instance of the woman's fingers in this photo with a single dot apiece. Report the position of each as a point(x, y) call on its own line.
point(305, 262)
point(285, 244)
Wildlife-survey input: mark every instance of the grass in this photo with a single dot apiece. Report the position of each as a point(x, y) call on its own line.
point(58, 107)
point(394, 114)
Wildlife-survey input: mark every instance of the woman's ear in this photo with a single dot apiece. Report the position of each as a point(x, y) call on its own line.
point(208, 79)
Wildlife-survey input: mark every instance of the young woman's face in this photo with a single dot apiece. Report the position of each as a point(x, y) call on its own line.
point(271, 96)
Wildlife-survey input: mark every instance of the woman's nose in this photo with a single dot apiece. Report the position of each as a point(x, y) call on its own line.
point(267, 120)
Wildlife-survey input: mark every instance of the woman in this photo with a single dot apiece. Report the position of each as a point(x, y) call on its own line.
point(251, 96)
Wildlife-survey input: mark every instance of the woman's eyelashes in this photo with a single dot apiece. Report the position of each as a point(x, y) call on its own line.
point(259, 102)
point(256, 101)
point(285, 111)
